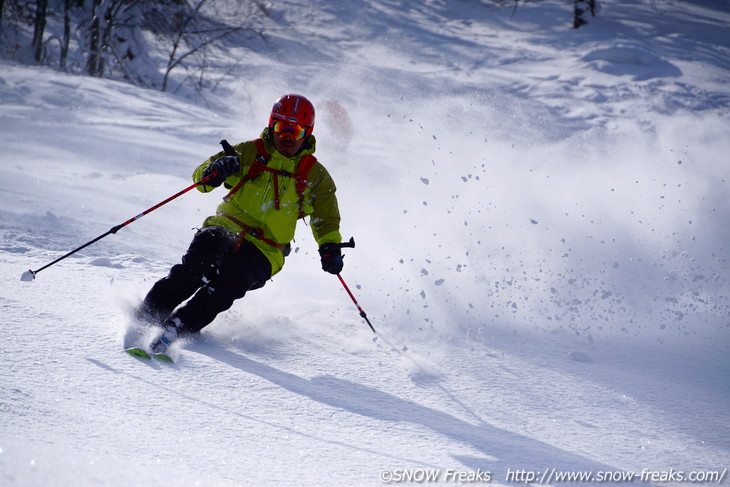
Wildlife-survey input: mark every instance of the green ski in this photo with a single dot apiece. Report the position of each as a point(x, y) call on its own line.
point(142, 353)
point(138, 352)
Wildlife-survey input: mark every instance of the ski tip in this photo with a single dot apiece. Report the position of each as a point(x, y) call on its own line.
point(163, 357)
point(138, 352)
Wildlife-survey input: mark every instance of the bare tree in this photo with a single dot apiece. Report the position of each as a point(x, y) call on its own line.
point(94, 60)
point(2, 7)
point(105, 38)
point(106, 19)
point(194, 33)
point(579, 8)
point(66, 40)
point(39, 28)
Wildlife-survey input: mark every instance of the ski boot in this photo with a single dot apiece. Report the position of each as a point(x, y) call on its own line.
point(159, 346)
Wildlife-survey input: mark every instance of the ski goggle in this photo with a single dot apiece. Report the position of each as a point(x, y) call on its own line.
point(291, 130)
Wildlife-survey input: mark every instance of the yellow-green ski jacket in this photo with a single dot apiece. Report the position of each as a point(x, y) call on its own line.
point(253, 204)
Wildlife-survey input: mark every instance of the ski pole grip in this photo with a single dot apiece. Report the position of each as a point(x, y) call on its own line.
point(350, 243)
point(228, 149)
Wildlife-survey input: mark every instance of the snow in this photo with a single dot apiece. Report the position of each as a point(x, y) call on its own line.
point(542, 245)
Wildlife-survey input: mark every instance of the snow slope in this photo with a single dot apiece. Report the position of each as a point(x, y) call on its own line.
point(542, 244)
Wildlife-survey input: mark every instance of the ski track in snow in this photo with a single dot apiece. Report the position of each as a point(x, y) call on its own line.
point(541, 244)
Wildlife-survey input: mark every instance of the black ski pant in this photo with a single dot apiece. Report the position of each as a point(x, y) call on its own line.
point(213, 273)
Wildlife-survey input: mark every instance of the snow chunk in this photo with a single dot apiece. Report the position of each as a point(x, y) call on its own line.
point(580, 357)
point(105, 262)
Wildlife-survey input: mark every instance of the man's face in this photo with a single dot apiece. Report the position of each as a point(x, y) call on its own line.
point(284, 140)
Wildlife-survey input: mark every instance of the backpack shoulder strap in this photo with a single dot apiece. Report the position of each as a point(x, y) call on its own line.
point(302, 175)
point(261, 149)
point(259, 164)
point(305, 165)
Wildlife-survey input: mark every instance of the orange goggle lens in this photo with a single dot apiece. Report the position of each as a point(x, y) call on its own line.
point(292, 130)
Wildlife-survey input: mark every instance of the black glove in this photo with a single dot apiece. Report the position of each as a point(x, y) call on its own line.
point(223, 167)
point(331, 255)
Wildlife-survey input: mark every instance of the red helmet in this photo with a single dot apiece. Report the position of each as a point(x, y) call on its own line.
point(294, 109)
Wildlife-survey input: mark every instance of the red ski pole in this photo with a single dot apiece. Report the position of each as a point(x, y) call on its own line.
point(351, 244)
point(362, 313)
point(29, 275)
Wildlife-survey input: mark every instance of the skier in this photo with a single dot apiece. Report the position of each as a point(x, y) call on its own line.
point(272, 181)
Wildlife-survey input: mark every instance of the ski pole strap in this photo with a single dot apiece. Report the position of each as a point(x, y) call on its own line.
point(249, 230)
